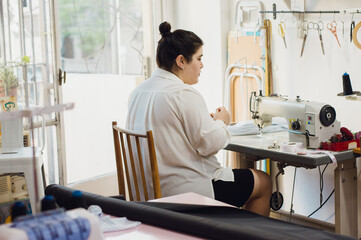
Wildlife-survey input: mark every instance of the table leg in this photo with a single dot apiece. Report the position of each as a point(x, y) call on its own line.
point(346, 212)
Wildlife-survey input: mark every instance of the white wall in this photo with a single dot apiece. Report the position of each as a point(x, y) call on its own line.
point(313, 77)
point(205, 18)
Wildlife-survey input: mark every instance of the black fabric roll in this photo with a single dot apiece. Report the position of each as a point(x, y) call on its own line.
point(179, 222)
point(267, 228)
point(211, 222)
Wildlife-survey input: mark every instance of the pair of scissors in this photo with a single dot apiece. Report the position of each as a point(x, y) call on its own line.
point(319, 27)
point(281, 31)
point(351, 29)
point(332, 27)
point(305, 33)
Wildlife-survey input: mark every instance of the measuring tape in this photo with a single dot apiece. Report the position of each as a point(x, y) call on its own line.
point(354, 35)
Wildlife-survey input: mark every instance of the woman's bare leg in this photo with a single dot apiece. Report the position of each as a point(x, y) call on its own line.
point(259, 201)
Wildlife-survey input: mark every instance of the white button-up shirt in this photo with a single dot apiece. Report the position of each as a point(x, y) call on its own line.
point(186, 137)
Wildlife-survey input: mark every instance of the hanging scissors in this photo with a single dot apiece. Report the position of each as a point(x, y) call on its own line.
point(305, 33)
point(281, 31)
point(319, 27)
point(332, 27)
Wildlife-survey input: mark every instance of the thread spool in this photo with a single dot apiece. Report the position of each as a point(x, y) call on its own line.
point(18, 210)
point(48, 203)
point(77, 200)
point(347, 88)
point(291, 147)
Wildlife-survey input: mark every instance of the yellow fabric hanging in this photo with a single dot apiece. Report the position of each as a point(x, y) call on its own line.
point(268, 66)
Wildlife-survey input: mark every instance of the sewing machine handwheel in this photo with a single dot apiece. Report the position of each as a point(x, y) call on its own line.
point(327, 115)
point(276, 201)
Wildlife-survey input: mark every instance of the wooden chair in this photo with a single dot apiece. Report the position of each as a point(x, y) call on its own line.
point(125, 155)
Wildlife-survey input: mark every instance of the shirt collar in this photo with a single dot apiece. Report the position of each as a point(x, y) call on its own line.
point(158, 72)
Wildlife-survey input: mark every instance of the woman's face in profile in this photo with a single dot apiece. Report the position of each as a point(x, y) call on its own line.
point(192, 69)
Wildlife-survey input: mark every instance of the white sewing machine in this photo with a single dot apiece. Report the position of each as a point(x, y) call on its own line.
point(309, 122)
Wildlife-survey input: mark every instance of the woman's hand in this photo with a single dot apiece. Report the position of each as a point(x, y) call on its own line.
point(222, 114)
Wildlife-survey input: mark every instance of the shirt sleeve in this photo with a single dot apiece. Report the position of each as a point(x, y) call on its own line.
point(206, 135)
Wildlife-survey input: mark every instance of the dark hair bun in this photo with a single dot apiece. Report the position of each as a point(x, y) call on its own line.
point(164, 28)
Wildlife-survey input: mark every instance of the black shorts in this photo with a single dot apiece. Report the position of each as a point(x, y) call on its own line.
point(235, 193)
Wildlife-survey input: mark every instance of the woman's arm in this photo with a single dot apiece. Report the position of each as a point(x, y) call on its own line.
point(206, 134)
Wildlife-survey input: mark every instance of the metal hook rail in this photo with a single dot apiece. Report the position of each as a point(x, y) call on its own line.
point(350, 11)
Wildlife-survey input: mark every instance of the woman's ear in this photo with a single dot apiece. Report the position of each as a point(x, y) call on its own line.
point(180, 61)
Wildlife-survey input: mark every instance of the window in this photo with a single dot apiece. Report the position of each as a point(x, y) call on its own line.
point(101, 36)
point(101, 44)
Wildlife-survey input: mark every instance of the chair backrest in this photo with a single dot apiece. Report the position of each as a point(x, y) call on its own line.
point(128, 165)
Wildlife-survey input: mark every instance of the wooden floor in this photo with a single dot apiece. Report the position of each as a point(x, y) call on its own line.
point(302, 220)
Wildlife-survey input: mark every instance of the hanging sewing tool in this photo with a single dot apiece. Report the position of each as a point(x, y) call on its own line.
point(332, 27)
point(319, 28)
point(354, 35)
point(281, 31)
point(305, 33)
point(343, 28)
point(343, 24)
point(351, 29)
